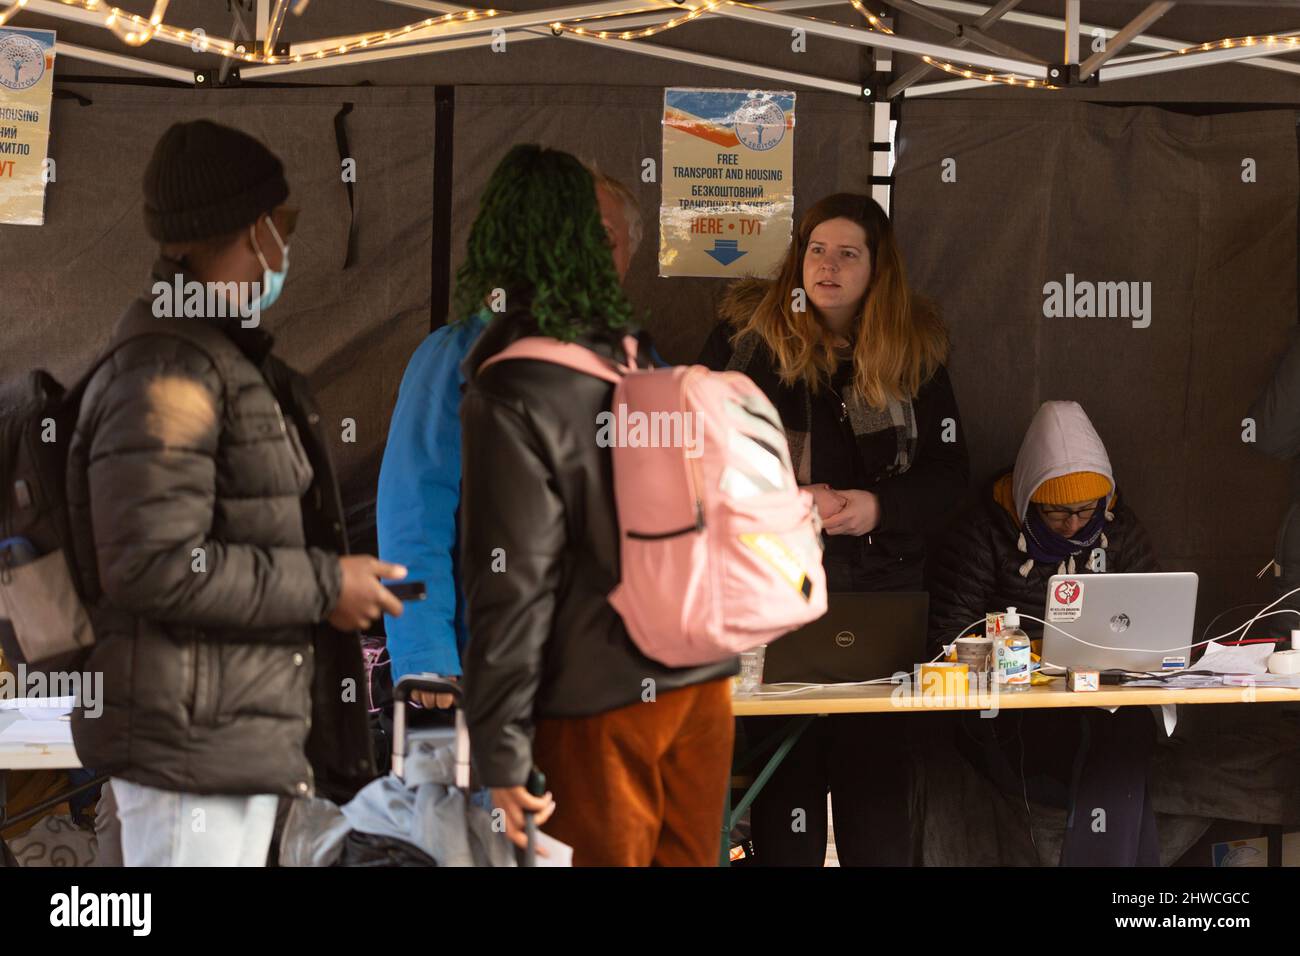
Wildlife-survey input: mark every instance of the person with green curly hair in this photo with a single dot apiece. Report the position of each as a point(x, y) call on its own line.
point(538, 245)
point(551, 240)
point(636, 754)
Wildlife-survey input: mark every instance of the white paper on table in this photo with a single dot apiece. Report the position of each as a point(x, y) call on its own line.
point(1170, 714)
point(37, 732)
point(561, 854)
point(1244, 659)
point(44, 713)
point(58, 706)
point(1262, 680)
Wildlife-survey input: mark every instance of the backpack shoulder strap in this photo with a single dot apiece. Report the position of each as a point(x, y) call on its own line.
point(568, 354)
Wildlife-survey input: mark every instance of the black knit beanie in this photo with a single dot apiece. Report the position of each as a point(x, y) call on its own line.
point(206, 180)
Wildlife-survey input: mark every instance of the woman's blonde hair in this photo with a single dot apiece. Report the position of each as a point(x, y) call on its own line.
point(899, 340)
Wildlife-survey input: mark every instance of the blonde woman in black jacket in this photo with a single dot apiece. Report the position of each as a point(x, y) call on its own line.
point(853, 360)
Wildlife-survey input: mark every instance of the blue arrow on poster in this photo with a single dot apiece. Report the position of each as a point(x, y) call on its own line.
point(726, 251)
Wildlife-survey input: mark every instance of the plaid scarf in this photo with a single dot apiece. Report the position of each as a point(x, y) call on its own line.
point(794, 404)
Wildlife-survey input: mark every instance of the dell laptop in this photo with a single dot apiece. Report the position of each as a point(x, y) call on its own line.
point(1132, 622)
point(861, 637)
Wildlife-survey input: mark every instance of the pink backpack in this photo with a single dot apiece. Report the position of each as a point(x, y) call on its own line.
point(721, 550)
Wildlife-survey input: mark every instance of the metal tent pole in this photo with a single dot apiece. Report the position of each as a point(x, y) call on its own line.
point(836, 31)
point(1121, 39)
point(1071, 32)
point(881, 143)
point(1190, 61)
point(988, 18)
point(121, 62)
point(1055, 23)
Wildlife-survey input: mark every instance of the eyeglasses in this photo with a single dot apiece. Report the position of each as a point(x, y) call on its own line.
point(1062, 515)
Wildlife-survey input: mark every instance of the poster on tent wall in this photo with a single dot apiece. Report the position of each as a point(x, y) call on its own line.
point(727, 204)
point(26, 89)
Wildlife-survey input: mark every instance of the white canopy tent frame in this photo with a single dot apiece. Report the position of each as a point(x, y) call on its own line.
point(1041, 21)
point(615, 23)
point(534, 24)
point(1121, 39)
point(970, 33)
point(986, 19)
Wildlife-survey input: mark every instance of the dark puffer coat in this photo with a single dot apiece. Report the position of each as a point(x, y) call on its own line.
point(207, 524)
point(976, 569)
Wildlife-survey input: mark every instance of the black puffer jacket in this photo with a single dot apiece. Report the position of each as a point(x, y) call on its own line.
point(539, 555)
point(976, 569)
point(207, 523)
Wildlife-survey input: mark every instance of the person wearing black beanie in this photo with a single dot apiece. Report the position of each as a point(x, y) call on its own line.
point(207, 530)
point(214, 199)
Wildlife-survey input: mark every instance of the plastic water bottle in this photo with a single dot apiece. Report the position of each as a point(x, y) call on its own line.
point(1012, 652)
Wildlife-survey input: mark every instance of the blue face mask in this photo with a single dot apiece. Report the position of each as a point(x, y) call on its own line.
point(272, 281)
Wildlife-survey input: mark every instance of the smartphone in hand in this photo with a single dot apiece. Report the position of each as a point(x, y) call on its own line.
point(407, 590)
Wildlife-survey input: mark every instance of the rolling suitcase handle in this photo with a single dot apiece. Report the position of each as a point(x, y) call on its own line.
point(537, 787)
point(435, 685)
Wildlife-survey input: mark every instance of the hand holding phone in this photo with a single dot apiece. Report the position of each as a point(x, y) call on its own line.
point(407, 590)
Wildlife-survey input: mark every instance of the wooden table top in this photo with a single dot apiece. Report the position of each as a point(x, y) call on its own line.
point(884, 698)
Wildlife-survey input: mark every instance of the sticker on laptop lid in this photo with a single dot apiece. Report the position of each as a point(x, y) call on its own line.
point(1065, 601)
point(1173, 663)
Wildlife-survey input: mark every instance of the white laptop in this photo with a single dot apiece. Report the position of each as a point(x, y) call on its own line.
point(1139, 622)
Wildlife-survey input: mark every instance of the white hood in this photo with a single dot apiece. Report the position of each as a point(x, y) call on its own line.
point(1060, 441)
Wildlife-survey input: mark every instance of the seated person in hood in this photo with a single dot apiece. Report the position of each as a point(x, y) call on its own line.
point(1057, 512)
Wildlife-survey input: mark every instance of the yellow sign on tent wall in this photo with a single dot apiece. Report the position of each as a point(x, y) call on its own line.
point(26, 89)
point(727, 206)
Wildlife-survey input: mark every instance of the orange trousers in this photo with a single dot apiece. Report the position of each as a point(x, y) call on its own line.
point(644, 784)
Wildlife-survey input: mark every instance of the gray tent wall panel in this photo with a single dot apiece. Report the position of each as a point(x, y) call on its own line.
point(618, 127)
point(1118, 194)
point(351, 331)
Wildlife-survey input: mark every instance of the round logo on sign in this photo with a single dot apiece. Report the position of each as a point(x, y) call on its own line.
point(22, 62)
point(844, 638)
point(1067, 592)
point(759, 124)
point(1119, 623)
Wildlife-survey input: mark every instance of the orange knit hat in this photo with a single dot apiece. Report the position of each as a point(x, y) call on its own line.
point(1075, 487)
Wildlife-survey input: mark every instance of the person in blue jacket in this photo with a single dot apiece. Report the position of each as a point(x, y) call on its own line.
point(419, 479)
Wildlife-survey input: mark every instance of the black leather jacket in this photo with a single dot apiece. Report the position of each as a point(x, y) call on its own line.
point(539, 554)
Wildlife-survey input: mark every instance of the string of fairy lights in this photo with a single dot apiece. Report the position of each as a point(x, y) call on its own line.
point(7, 15)
point(1009, 79)
point(1224, 44)
point(136, 30)
point(578, 29)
